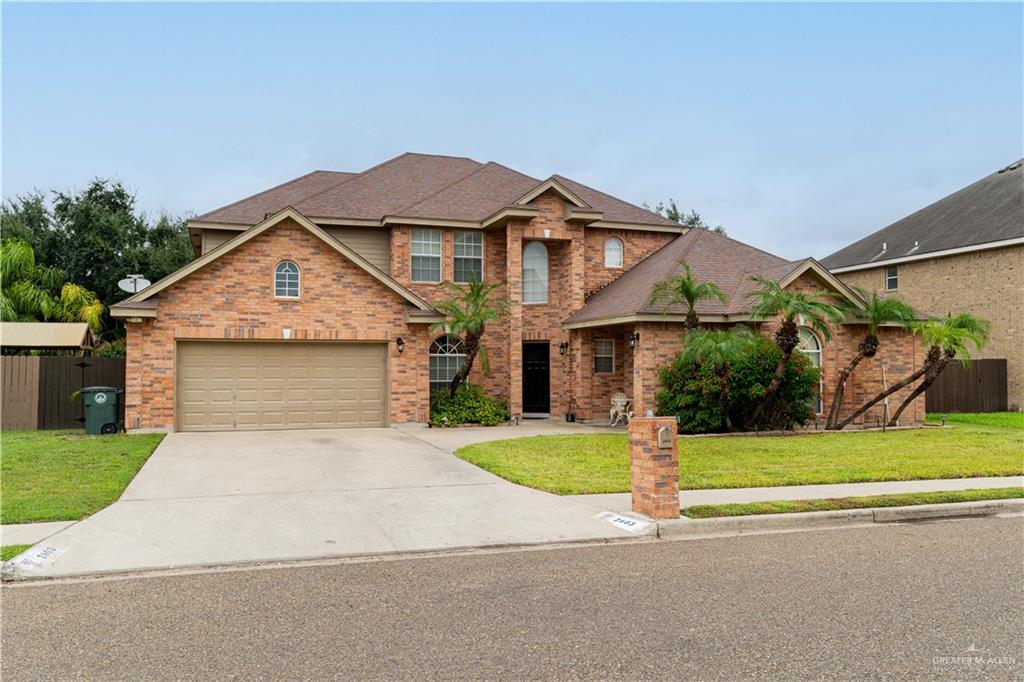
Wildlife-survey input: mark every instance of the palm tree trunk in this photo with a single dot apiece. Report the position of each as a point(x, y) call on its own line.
point(472, 346)
point(692, 321)
point(837, 397)
point(929, 379)
point(772, 389)
point(932, 358)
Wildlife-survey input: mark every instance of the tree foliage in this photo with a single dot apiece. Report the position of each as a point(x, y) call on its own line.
point(96, 237)
point(690, 218)
point(467, 311)
point(684, 289)
point(34, 293)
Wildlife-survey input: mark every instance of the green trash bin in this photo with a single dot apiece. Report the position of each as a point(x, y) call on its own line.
point(101, 409)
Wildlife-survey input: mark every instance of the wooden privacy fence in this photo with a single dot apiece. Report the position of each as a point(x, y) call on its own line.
point(979, 387)
point(41, 392)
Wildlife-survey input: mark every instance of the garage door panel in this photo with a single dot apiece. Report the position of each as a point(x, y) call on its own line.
point(266, 385)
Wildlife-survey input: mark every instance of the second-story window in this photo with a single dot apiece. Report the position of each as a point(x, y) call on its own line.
point(286, 280)
point(426, 255)
point(892, 278)
point(613, 252)
point(535, 273)
point(469, 257)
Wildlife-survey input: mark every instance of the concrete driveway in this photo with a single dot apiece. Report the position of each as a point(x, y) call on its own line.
point(206, 499)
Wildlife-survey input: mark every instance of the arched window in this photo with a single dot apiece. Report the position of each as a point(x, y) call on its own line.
point(535, 273)
point(286, 280)
point(810, 346)
point(613, 253)
point(446, 357)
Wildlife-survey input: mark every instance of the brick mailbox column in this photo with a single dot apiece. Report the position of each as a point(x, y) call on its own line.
point(654, 470)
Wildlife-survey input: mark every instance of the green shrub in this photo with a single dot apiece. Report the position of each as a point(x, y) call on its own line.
point(691, 392)
point(111, 349)
point(469, 406)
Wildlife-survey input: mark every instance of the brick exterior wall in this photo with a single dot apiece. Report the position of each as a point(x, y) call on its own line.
point(233, 298)
point(989, 284)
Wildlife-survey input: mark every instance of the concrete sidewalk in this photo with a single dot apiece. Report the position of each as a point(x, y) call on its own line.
point(620, 502)
point(30, 533)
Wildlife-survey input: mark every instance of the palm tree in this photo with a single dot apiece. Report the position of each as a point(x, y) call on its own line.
point(684, 289)
point(467, 312)
point(944, 340)
point(772, 301)
point(35, 292)
point(720, 349)
point(876, 311)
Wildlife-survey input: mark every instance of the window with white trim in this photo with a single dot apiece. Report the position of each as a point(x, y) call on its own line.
point(469, 257)
point(613, 253)
point(426, 255)
point(892, 278)
point(286, 280)
point(446, 357)
point(604, 356)
point(810, 346)
point(535, 273)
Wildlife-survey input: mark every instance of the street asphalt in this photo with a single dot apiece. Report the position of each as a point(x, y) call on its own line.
point(935, 600)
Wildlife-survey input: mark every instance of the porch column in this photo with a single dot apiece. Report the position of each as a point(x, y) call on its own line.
point(645, 370)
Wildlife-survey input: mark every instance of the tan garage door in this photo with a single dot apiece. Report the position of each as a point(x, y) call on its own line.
point(267, 385)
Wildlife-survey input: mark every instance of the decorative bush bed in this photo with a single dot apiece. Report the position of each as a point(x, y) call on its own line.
point(469, 406)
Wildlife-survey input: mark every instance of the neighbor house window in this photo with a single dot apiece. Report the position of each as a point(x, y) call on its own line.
point(604, 356)
point(286, 280)
point(446, 357)
point(426, 255)
point(892, 278)
point(613, 253)
point(535, 273)
point(811, 347)
point(469, 256)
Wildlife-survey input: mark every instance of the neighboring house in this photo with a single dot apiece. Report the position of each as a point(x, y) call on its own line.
point(964, 253)
point(309, 304)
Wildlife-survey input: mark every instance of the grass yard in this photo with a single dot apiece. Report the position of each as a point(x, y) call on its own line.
point(66, 475)
point(11, 551)
point(975, 445)
point(707, 511)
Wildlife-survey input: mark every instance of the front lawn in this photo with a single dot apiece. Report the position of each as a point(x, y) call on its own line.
point(11, 551)
point(66, 475)
point(707, 511)
point(599, 463)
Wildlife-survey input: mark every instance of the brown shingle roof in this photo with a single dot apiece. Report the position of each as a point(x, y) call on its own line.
point(712, 258)
point(252, 210)
point(416, 186)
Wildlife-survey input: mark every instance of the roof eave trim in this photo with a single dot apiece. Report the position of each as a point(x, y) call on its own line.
point(259, 229)
point(613, 225)
point(121, 312)
point(984, 246)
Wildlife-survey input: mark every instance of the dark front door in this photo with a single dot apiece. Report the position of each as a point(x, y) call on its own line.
point(536, 378)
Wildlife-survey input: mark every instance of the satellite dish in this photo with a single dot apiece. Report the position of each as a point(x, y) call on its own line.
point(133, 284)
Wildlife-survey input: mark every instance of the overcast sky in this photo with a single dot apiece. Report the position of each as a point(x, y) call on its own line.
point(798, 127)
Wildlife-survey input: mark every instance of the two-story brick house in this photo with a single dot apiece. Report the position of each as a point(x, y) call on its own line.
point(310, 304)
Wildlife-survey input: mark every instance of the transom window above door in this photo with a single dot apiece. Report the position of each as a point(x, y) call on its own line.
point(426, 255)
point(286, 280)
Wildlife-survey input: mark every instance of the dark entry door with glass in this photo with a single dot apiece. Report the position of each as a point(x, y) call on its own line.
point(536, 378)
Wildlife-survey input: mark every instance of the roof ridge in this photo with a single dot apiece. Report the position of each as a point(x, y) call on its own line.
point(439, 156)
point(749, 246)
point(354, 176)
point(259, 194)
point(610, 196)
point(448, 186)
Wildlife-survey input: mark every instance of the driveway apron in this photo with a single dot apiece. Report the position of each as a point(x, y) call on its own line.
point(209, 499)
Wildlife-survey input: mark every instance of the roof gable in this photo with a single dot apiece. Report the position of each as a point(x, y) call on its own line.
point(989, 210)
point(130, 305)
point(253, 209)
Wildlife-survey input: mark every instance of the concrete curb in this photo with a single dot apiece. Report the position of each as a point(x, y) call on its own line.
point(767, 523)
